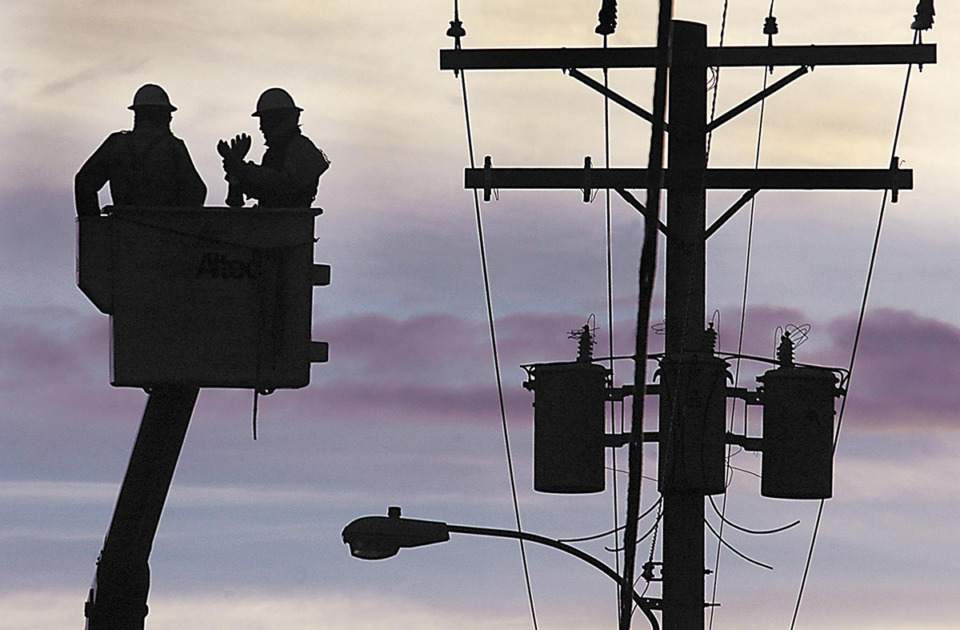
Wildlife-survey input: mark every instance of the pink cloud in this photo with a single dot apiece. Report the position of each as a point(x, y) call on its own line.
point(438, 367)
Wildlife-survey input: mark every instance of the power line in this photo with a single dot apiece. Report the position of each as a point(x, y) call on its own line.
point(609, 252)
point(856, 337)
point(493, 339)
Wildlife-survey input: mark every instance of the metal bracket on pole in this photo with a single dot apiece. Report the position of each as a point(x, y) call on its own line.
point(487, 177)
point(587, 183)
point(895, 176)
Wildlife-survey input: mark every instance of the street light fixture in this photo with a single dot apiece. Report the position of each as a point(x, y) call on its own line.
point(381, 537)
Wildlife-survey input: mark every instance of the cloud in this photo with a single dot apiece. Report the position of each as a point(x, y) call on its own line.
point(438, 367)
point(907, 370)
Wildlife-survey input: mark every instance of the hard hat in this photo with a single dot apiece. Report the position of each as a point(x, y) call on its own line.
point(151, 95)
point(275, 98)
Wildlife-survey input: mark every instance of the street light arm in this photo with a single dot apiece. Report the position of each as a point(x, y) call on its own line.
point(642, 603)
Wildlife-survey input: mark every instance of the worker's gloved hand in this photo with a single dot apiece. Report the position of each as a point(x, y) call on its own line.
point(231, 161)
point(240, 145)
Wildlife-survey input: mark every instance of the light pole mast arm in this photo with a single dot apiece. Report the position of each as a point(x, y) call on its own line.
point(642, 603)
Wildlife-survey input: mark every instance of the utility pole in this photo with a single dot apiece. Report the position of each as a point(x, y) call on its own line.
point(691, 453)
point(682, 524)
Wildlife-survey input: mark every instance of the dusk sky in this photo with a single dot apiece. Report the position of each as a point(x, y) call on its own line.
point(406, 411)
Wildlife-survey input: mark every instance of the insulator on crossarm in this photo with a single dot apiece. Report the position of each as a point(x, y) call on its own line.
point(456, 30)
point(923, 18)
point(607, 17)
point(770, 26)
point(770, 29)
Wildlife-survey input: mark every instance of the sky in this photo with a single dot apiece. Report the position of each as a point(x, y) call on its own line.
point(406, 411)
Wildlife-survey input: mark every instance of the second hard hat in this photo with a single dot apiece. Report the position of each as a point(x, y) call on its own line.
point(273, 99)
point(151, 95)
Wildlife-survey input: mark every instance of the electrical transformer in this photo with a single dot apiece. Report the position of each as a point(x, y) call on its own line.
point(568, 426)
point(693, 402)
point(798, 412)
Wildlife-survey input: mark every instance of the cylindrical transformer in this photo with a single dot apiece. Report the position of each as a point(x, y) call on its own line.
point(798, 411)
point(568, 426)
point(693, 402)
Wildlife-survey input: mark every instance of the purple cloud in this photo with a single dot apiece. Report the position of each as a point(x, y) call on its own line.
point(907, 369)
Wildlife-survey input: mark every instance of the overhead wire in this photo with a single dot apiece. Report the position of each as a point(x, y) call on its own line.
point(713, 111)
point(746, 530)
point(609, 253)
point(492, 326)
point(734, 549)
point(608, 532)
point(859, 330)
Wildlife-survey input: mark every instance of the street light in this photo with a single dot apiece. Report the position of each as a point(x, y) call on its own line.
point(381, 537)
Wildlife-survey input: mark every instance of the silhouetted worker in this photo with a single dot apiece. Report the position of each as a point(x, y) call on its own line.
point(289, 174)
point(147, 166)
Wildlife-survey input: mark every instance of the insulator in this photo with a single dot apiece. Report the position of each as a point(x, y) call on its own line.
point(923, 19)
point(785, 350)
point(456, 29)
point(607, 17)
point(770, 26)
point(585, 344)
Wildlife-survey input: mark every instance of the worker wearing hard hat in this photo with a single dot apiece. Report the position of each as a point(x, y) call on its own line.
point(289, 174)
point(147, 166)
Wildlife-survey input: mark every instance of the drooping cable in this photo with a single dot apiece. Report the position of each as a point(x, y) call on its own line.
point(493, 336)
point(734, 549)
point(859, 330)
point(645, 281)
point(747, 530)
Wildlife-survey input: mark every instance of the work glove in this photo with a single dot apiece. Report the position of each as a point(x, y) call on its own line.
point(234, 152)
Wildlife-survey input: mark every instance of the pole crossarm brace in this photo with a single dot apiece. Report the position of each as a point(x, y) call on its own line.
point(714, 56)
point(642, 209)
point(613, 96)
point(741, 202)
point(713, 178)
point(756, 98)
